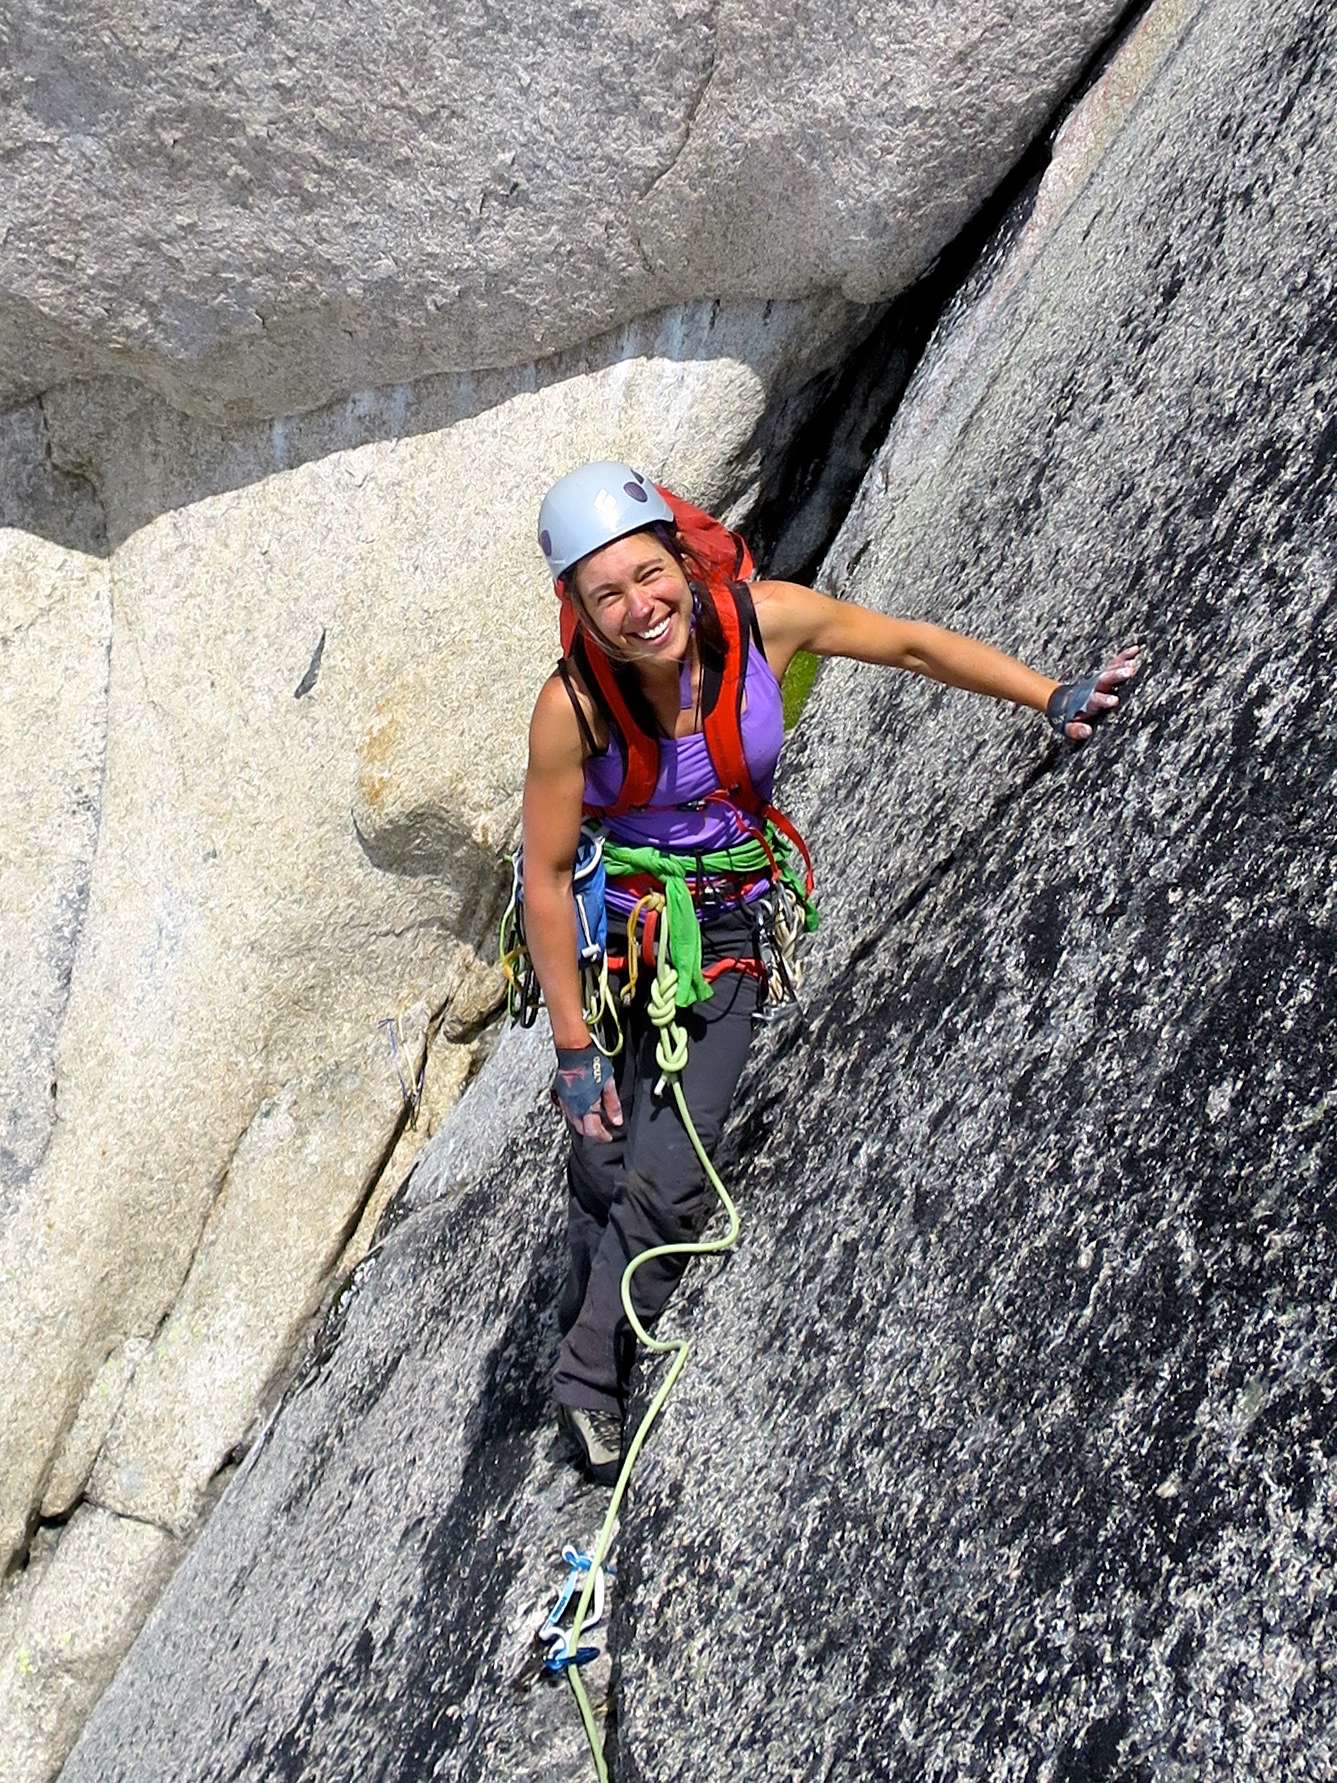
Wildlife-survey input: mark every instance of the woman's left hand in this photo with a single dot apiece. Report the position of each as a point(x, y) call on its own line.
point(1077, 707)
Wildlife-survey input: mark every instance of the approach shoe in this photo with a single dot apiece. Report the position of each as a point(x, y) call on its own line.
point(597, 1437)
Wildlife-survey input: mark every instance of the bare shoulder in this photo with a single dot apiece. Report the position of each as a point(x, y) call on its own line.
point(563, 714)
point(778, 603)
point(554, 778)
point(786, 615)
point(766, 592)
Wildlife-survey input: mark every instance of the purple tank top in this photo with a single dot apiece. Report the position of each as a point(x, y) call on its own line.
point(687, 773)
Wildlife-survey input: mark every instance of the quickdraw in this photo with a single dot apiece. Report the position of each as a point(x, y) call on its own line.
point(551, 1636)
point(553, 1650)
point(524, 996)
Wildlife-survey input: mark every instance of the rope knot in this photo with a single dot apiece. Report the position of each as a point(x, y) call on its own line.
point(662, 1008)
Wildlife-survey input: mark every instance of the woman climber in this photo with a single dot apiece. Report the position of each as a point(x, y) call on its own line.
point(664, 724)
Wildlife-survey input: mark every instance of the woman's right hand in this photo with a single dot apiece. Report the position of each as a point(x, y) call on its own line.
point(584, 1090)
point(554, 791)
point(1076, 708)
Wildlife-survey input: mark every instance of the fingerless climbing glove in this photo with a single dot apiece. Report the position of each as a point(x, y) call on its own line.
point(1065, 704)
point(582, 1076)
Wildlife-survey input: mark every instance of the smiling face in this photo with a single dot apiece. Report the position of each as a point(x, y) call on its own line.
point(635, 594)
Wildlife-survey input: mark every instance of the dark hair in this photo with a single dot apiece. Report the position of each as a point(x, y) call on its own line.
point(708, 629)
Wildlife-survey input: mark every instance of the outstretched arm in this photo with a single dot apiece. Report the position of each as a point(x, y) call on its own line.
point(794, 618)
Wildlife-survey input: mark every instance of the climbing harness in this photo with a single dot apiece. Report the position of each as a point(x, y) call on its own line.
point(681, 884)
point(773, 854)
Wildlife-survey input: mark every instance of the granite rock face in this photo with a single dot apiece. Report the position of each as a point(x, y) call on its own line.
point(256, 209)
point(1035, 1328)
point(1006, 1450)
point(88, 1600)
point(237, 907)
point(406, 1509)
point(55, 624)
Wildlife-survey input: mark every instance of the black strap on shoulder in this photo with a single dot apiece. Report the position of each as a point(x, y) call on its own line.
point(637, 704)
point(712, 665)
point(747, 613)
point(712, 672)
point(586, 734)
point(629, 684)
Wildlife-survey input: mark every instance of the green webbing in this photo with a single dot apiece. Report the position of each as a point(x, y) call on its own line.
point(679, 911)
point(744, 860)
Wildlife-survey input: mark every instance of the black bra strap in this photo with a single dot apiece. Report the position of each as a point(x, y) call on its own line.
point(586, 734)
point(747, 610)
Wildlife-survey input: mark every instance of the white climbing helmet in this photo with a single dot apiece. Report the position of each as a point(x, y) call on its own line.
point(593, 506)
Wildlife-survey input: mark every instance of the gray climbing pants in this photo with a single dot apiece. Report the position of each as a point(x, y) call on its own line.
point(646, 1187)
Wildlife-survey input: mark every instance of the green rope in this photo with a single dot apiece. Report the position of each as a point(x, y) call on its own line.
point(671, 1057)
point(678, 983)
point(744, 860)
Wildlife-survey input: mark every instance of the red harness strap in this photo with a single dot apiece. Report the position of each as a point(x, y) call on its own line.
point(722, 724)
point(772, 814)
point(749, 969)
point(617, 962)
point(648, 929)
point(641, 751)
